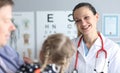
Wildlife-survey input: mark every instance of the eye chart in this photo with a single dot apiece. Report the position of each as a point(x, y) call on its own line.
point(50, 22)
point(23, 38)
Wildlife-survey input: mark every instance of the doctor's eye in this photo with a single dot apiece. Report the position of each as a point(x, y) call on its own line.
point(77, 21)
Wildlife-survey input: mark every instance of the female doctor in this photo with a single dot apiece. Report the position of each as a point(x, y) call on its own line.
point(95, 53)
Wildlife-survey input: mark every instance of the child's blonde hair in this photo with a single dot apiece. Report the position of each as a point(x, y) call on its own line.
point(57, 49)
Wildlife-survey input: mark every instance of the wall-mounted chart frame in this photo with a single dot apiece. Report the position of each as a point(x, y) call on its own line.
point(23, 39)
point(110, 26)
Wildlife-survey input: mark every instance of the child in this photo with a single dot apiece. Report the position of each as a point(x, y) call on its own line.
point(55, 54)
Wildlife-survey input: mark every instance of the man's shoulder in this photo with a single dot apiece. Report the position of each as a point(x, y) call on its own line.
point(7, 50)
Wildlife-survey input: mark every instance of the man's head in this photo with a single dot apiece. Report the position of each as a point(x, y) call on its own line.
point(6, 2)
point(6, 25)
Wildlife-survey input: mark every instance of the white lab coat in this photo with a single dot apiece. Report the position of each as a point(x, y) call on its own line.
point(86, 64)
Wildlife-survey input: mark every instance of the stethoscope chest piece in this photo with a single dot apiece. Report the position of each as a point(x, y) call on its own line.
point(75, 71)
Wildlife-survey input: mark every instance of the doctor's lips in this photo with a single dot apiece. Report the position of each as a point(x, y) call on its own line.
point(86, 27)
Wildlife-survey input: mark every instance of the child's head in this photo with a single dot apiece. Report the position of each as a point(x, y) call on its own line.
point(57, 49)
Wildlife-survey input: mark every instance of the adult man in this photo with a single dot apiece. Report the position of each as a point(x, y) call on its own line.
point(9, 59)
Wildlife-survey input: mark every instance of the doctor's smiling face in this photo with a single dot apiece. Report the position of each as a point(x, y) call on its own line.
point(86, 18)
point(6, 25)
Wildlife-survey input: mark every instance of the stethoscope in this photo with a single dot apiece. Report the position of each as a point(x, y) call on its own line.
point(97, 54)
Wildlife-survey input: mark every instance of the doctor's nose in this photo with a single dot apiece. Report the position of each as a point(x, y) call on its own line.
point(83, 22)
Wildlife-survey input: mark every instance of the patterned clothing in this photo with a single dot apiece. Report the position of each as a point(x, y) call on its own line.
point(31, 68)
point(28, 68)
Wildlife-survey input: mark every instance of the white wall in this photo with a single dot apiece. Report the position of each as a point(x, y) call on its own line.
point(102, 7)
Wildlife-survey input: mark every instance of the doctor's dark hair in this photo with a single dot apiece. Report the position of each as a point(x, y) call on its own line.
point(57, 49)
point(6, 2)
point(84, 4)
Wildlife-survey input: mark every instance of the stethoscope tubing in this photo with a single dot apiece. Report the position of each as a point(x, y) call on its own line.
point(102, 48)
point(97, 54)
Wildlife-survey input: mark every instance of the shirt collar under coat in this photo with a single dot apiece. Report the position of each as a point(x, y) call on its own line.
point(94, 48)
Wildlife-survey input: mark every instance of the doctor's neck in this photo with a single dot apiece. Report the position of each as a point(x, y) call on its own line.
point(90, 39)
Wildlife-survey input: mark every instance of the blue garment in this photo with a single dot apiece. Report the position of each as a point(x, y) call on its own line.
point(86, 49)
point(11, 58)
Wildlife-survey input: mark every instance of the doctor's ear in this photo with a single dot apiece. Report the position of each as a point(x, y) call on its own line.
point(97, 16)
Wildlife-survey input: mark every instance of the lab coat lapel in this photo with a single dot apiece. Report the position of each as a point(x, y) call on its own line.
point(81, 49)
point(94, 48)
